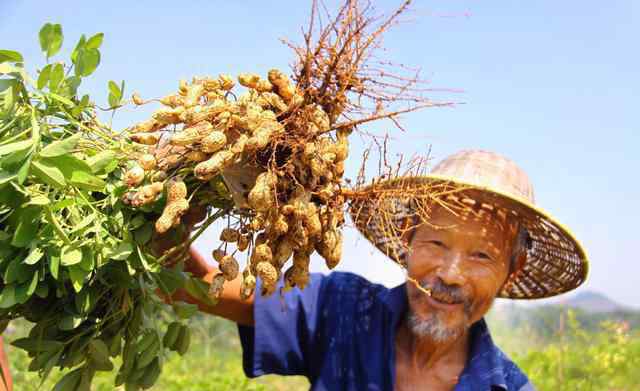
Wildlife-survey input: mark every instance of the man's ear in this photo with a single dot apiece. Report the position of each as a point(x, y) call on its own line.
point(517, 263)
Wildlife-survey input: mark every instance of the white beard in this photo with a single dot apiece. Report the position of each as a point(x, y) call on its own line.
point(431, 327)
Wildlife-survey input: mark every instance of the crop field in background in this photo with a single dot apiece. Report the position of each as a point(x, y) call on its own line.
point(558, 350)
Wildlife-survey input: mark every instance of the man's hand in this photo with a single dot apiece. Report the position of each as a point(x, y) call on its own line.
point(229, 304)
point(161, 244)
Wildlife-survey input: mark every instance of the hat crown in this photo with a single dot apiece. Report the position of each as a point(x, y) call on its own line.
point(488, 170)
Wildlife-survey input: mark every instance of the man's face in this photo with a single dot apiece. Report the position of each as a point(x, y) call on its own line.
point(463, 260)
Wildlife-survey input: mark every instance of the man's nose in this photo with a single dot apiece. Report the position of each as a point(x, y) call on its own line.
point(450, 271)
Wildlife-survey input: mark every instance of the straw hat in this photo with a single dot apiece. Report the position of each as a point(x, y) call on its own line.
point(555, 262)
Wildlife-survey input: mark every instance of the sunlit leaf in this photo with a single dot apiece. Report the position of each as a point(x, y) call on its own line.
point(61, 147)
point(95, 41)
point(56, 76)
point(16, 146)
point(49, 174)
point(120, 252)
point(10, 56)
point(34, 256)
point(77, 275)
point(44, 77)
point(87, 61)
point(101, 160)
point(27, 227)
point(51, 39)
point(8, 296)
point(80, 45)
point(70, 256)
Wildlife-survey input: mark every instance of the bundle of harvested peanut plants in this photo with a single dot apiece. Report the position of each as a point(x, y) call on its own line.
point(80, 202)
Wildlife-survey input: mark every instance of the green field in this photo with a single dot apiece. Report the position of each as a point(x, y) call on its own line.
point(559, 350)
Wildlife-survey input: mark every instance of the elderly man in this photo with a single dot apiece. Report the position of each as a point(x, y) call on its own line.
point(345, 333)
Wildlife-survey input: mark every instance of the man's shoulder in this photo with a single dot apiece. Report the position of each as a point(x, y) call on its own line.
point(349, 284)
point(489, 364)
point(515, 378)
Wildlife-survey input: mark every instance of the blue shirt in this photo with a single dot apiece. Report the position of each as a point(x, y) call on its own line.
point(340, 331)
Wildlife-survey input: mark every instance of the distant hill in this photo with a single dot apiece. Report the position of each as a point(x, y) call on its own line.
point(590, 308)
point(594, 303)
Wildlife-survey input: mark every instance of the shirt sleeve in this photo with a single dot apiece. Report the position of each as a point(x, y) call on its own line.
point(285, 332)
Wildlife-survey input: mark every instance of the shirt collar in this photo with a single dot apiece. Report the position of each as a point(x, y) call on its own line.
point(484, 366)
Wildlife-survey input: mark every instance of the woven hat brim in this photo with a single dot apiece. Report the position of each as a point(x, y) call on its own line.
point(556, 262)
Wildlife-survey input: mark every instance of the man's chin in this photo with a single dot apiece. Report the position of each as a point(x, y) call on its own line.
point(434, 327)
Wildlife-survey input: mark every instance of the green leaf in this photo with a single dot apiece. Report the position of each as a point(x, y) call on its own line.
point(37, 344)
point(70, 256)
point(15, 146)
point(69, 322)
point(198, 289)
point(88, 257)
point(6, 69)
point(49, 174)
point(120, 252)
point(95, 42)
point(77, 172)
point(80, 45)
point(5, 84)
point(8, 296)
point(27, 227)
point(169, 280)
point(113, 101)
point(56, 206)
point(44, 77)
point(115, 94)
point(56, 77)
point(101, 160)
point(34, 256)
point(61, 99)
point(38, 199)
point(143, 234)
point(71, 86)
point(7, 95)
point(17, 272)
point(85, 301)
point(61, 147)
point(69, 164)
point(33, 284)
point(114, 89)
point(86, 181)
point(22, 293)
point(41, 360)
point(51, 39)
point(49, 365)
point(99, 353)
point(53, 254)
point(23, 172)
point(77, 275)
point(185, 310)
point(42, 290)
point(70, 381)
point(7, 176)
point(87, 61)
point(10, 56)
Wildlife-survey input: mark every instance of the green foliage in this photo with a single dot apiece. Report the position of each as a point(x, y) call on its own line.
point(569, 351)
point(214, 363)
point(74, 260)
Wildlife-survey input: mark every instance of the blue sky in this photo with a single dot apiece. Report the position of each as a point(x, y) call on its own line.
point(552, 85)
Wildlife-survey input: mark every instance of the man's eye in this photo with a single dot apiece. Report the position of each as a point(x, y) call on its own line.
point(481, 255)
point(436, 243)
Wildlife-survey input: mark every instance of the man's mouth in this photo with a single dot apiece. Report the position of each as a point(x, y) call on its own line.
point(443, 298)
